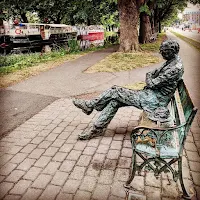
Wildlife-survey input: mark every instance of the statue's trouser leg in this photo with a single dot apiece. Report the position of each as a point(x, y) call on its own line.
point(109, 102)
point(107, 114)
point(123, 96)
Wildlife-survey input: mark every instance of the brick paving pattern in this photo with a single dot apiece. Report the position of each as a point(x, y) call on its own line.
point(42, 159)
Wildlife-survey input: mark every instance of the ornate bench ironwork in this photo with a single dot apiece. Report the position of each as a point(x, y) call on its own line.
point(166, 141)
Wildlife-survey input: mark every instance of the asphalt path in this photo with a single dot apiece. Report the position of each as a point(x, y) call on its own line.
point(17, 107)
point(190, 34)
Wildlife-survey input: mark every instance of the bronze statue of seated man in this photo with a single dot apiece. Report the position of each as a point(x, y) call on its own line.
point(160, 86)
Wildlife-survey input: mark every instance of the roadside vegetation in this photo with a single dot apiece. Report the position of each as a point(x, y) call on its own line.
point(17, 67)
point(188, 40)
point(119, 61)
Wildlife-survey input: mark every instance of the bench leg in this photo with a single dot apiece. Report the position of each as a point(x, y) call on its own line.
point(185, 194)
point(127, 184)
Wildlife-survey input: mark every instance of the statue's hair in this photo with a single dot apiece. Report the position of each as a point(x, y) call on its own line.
point(170, 44)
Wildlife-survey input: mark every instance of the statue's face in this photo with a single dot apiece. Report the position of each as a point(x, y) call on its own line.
point(167, 54)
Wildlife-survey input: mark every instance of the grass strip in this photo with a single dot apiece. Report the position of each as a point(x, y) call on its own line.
point(188, 40)
point(155, 45)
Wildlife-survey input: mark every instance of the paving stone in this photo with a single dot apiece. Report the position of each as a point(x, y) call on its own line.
point(110, 164)
point(66, 148)
point(2, 178)
point(4, 188)
point(60, 156)
point(84, 160)
point(116, 145)
point(115, 198)
point(42, 161)
point(59, 178)
point(113, 154)
point(58, 130)
point(80, 146)
point(121, 174)
point(15, 176)
point(78, 173)
point(127, 144)
point(169, 190)
point(36, 153)
point(88, 183)
point(152, 193)
point(14, 149)
point(106, 177)
point(118, 189)
point(124, 162)
point(138, 183)
point(98, 158)
point(67, 166)
point(103, 149)
point(64, 135)
point(189, 139)
point(101, 192)
point(42, 181)
point(74, 155)
point(190, 146)
point(37, 140)
point(12, 197)
point(69, 128)
point(82, 195)
point(28, 148)
point(44, 133)
point(193, 156)
point(64, 196)
point(109, 131)
point(32, 173)
point(5, 158)
point(58, 143)
point(18, 158)
point(50, 192)
point(51, 137)
point(44, 144)
point(152, 181)
point(93, 170)
point(51, 151)
point(119, 137)
point(106, 140)
point(21, 187)
point(196, 178)
point(194, 166)
point(126, 152)
point(89, 151)
point(7, 168)
point(26, 164)
point(32, 194)
point(93, 142)
point(71, 186)
point(51, 168)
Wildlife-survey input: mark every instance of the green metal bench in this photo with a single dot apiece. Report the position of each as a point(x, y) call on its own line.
point(156, 144)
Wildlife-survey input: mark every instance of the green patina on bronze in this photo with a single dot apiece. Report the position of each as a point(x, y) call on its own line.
point(166, 102)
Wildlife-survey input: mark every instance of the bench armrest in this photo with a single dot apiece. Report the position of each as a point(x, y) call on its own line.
point(156, 137)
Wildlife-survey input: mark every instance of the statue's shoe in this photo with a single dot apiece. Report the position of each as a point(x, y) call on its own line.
point(80, 103)
point(91, 133)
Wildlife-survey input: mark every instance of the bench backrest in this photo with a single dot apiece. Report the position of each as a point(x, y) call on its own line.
point(185, 110)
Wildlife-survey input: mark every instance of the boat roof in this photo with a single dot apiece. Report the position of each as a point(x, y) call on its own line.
point(51, 25)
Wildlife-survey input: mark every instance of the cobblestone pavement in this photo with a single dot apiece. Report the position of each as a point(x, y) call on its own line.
point(42, 159)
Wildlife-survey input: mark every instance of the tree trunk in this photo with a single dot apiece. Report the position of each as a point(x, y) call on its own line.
point(152, 25)
point(145, 28)
point(24, 18)
point(128, 18)
point(159, 26)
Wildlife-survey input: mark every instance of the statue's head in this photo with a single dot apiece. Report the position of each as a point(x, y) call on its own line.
point(169, 49)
